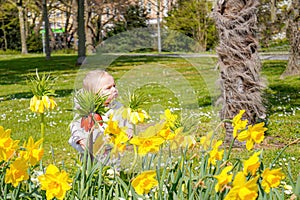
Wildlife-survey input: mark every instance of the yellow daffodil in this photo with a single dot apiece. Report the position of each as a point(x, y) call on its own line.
point(254, 134)
point(223, 178)
point(8, 146)
point(135, 116)
point(118, 137)
point(252, 164)
point(147, 144)
point(17, 172)
point(215, 154)
point(182, 141)
point(55, 183)
point(271, 178)
point(238, 123)
point(167, 134)
point(144, 182)
point(243, 189)
point(206, 141)
point(33, 151)
point(169, 118)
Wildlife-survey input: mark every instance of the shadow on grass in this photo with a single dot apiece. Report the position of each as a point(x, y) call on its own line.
point(28, 95)
point(16, 70)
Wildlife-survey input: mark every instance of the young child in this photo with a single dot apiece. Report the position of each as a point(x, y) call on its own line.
point(95, 81)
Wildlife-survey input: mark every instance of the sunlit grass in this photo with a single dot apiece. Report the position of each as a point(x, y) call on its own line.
point(199, 73)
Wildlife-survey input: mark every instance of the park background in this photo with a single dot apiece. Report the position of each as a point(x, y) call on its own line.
point(44, 35)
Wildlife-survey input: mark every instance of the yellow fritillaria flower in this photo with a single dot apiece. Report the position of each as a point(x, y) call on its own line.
point(215, 154)
point(17, 172)
point(39, 105)
point(144, 182)
point(223, 178)
point(8, 146)
point(271, 178)
point(243, 189)
point(252, 164)
point(55, 183)
point(33, 151)
point(147, 144)
point(135, 116)
point(49, 102)
point(254, 134)
point(238, 123)
point(112, 127)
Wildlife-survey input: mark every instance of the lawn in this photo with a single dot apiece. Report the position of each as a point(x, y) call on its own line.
point(185, 85)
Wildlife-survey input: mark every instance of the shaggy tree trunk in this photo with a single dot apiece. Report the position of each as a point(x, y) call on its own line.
point(81, 33)
point(293, 32)
point(22, 27)
point(240, 82)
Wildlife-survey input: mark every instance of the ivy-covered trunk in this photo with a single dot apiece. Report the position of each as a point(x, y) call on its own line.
point(239, 63)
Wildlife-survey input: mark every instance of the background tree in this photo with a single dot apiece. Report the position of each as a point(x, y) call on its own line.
point(241, 85)
point(133, 17)
point(81, 32)
point(293, 34)
point(192, 18)
point(21, 5)
point(46, 28)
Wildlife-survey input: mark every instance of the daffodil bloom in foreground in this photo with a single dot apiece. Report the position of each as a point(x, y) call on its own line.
point(135, 116)
point(55, 183)
point(17, 172)
point(148, 144)
point(144, 182)
point(238, 123)
point(215, 154)
point(254, 134)
point(271, 178)
point(243, 189)
point(8, 146)
point(252, 164)
point(223, 178)
point(33, 151)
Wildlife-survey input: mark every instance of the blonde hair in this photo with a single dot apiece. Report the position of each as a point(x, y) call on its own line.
point(92, 80)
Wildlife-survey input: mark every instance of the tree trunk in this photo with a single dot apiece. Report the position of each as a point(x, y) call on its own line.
point(89, 36)
point(81, 33)
point(22, 27)
point(293, 33)
point(240, 83)
point(46, 28)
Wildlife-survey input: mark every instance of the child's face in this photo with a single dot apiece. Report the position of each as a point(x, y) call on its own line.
point(108, 87)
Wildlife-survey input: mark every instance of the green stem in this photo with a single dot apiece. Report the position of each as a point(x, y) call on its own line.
point(134, 160)
point(135, 151)
point(42, 123)
point(229, 150)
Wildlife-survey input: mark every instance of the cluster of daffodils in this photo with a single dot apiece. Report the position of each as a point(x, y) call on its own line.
point(43, 93)
point(18, 163)
point(241, 184)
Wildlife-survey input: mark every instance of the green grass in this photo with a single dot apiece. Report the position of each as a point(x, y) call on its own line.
point(186, 83)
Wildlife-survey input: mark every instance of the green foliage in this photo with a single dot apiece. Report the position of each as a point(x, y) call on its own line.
point(134, 17)
point(192, 19)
